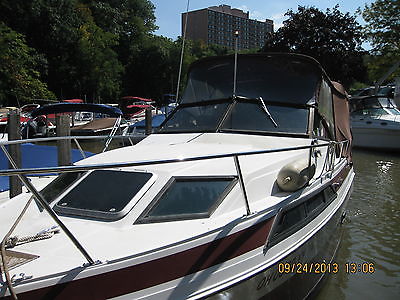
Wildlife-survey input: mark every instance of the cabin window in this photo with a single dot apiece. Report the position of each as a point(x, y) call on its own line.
point(103, 194)
point(251, 116)
point(314, 203)
point(198, 118)
point(188, 198)
point(292, 219)
point(330, 194)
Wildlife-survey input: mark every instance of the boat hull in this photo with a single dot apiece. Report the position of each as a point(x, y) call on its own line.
point(376, 138)
point(212, 270)
point(298, 274)
point(382, 132)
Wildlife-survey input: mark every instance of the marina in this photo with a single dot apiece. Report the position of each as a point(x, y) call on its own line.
point(224, 203)
point(252, 153)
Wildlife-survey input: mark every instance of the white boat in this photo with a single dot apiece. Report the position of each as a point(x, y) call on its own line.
point(241, 195)
point(375, 123)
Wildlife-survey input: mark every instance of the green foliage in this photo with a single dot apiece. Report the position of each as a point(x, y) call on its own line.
point(19, 76)
point(383, 31)
point(152, 68)
point(86, 44)
point(383, 25)
point(333, 38)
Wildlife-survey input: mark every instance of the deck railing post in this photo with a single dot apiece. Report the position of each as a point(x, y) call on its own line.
point(14, 133)
point(396, 96)
point(242, 185)
point(63, 146)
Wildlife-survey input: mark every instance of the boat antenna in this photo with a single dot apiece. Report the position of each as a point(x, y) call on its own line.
point(182, 52)
point(235, 66)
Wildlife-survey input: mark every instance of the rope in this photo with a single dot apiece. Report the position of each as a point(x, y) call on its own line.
point(45, 234)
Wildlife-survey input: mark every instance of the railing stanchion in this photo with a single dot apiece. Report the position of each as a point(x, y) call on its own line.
point(241, 181)
point(47, 207)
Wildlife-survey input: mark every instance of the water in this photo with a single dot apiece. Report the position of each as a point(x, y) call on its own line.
point(371, 233)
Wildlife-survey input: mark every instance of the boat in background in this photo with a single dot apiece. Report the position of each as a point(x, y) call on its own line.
point(99, 120)
point(375, 123)
point(240, 195)
point(134, 108)
point(138, 129)
point(25, 115)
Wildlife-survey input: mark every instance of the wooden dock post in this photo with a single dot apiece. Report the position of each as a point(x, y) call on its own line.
point(148, 117)
point(63, 146)
point(396, 95)
point(14, 133)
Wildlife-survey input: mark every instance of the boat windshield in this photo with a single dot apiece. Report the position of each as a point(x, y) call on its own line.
point(373, 106)
point(272, 95)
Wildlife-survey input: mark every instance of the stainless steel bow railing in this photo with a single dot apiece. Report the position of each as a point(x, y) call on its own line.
point(22, 172)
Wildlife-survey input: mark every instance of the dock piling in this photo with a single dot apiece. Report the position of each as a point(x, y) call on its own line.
point(14, 133)
point(148, 117)
point(63, 146)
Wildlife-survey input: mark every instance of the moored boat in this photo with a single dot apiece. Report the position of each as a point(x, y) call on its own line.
point(245, 181)
point(108, 120)
point(375, 123)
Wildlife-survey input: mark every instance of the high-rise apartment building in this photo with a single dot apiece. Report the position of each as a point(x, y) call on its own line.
point(217, 25)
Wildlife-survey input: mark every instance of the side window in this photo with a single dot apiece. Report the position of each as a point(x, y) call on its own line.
point(290, 219)
point(297, 217)
point(314, 203)
point(188, 198)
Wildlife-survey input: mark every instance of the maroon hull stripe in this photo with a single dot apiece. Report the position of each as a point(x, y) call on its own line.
point(151, 273)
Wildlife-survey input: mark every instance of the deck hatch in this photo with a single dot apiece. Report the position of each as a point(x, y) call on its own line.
point(188, 198)
point(98, 196)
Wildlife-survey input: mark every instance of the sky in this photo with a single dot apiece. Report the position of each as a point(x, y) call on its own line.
point(168, 12)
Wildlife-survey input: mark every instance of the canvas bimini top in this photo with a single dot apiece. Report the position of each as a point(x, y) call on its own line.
point(275, 93)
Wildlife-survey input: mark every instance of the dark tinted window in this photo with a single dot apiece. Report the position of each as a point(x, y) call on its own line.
point(59, 185)
point(291, 218)
point(198, 118)
point(330, 194)
point(253, 117)
point(188, 198)
point(103, 191)
point(276, 78)
point(314, 203)
point(297, 217)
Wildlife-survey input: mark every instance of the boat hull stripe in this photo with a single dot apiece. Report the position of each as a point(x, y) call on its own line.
point(154, 272)
point(151, 273)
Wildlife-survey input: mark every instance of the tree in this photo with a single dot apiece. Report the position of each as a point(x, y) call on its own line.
point(81, 56)
point(332, 38)
point(19, 76)
point(383, 31)
point(153, 68)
